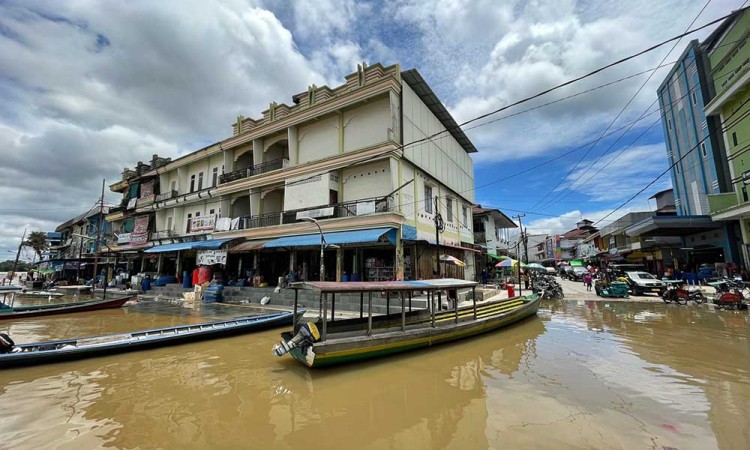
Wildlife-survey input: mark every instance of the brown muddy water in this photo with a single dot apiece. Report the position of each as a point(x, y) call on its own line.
point(580, 375)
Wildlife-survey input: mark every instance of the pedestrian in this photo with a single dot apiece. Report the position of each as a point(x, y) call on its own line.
point(485, 277)
point(526, 280)
point(587, 280)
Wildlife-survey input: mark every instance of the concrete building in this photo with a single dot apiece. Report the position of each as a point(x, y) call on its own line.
point(695, 150)
point(729, 57)
point(356, 158)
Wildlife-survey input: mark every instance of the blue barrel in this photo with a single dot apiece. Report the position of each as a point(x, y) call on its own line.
point(213, 293)
point(345, 277)
point(146, 284)
point(187, 281)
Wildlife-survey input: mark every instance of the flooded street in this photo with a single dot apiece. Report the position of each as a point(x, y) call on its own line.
point(581, 375)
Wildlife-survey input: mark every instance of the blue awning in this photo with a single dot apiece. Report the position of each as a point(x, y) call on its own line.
point(337, 238)
point(212, 244)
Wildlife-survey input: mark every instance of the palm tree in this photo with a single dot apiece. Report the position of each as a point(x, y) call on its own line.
point(37, 240)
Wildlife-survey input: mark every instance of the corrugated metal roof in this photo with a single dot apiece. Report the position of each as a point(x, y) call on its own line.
point(379, 286)
point(339, 237)
point(425, 93)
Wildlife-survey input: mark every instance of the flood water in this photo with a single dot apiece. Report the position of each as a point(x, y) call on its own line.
point(580, 375)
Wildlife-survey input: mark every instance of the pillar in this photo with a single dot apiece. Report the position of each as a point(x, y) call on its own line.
point(399, 259)
point(293, 146)
point(255, 261)
point(254, 202)
point(339, 263)
point(143, 262)
point(225, 210)
point(179, 264)
point(228, 161)
point(159, 263)
point(292, 259)
point(257, 151)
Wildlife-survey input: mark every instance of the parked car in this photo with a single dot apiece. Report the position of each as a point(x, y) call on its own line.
point(551, 271)
point(567, 272)
point(643, 282)
point(578, 272)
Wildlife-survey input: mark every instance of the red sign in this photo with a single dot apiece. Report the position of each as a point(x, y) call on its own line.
point(139, 236)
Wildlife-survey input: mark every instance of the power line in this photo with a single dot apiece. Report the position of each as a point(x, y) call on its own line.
point(632, 98)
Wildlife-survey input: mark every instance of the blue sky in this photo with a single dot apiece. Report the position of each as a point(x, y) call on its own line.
point(88, 88)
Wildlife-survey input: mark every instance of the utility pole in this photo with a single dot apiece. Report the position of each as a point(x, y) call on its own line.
point(18, 255)
point(99, 234)
point(518, 250)
point(439, 227)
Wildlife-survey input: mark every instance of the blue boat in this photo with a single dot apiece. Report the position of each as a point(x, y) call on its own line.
point(63, 350)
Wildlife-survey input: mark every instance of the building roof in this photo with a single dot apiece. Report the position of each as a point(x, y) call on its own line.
point(428, 97)
point(501, 220)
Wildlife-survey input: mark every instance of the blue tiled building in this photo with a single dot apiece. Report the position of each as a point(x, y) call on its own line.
point(695, 147)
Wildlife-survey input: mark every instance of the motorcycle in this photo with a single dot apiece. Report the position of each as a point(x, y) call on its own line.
point(678, 293)
point(728, 294)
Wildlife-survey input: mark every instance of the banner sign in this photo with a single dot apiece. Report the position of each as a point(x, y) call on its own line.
point(147, 189)
point(139, 236)
point(203, 223)
point(210, 257)
point(123, 238)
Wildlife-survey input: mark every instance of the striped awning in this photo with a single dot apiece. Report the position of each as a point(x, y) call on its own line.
point(248, 246)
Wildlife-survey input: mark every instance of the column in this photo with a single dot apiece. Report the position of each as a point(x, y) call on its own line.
point(255, 201)
point(293, 146)
point(159, 263)
point(257, 151)
point(228, 161)
point(292, 259)
point(339, 263)
point(179, 264)
point(399, 259)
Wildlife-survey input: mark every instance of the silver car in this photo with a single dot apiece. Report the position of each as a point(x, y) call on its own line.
point(643, 282)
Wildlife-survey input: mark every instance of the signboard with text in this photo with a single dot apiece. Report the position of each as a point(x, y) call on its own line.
point(210, 257)
point(203, 223)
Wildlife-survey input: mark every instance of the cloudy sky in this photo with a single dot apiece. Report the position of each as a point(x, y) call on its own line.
point(90, 87)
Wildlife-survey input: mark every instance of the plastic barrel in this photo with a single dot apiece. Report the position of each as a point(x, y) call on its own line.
point(187, 282)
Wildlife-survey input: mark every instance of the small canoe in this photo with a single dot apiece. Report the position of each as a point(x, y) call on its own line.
point(45, 294)
point(57, 351)
point(21, 312)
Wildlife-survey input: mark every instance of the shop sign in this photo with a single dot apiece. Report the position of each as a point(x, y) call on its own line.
point(203, 223)
point(123, 238)
point(210, 257)
point(139, 236)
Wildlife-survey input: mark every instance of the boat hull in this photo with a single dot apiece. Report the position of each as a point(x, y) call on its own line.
point(345, 350)
point(22, 312)
point(141, 340)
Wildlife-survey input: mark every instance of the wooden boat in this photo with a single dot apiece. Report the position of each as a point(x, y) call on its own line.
point(327, 342)
point(77, 289)
point(45, 294)
point(10, 288)
point(20, 312)
point(56, 351)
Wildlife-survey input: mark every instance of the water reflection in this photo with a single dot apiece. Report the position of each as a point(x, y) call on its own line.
point(599, 375)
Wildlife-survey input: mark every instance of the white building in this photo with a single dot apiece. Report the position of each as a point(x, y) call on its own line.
point(355, 157)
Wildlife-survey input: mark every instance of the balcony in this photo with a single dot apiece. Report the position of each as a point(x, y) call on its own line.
point(721, 202)
point(165, 196)
point(257, 169)
point(163, 234)
point(338, 210)
point(480, 236)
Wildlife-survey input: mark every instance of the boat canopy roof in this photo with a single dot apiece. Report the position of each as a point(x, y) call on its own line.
point(439, 284)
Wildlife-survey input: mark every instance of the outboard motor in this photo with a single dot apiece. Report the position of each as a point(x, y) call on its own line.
point(6, 343)
point(307, 334)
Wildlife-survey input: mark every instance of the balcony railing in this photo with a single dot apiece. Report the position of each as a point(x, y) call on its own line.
point(345, 209)
point(257, 169)
point(480, 236)
point(163, 234)
point(165, 196)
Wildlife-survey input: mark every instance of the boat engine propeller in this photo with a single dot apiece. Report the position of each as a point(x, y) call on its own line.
point(6, 343)
point(307, 334)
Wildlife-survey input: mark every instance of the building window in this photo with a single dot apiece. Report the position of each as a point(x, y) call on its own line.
point(695, 98)
point(212, 211)
point(197, 214)
point(703, 150)
point(449, 209)
point(215, 177)
point(189, 220)
point(669, 124)
point(192, 183)
point(734, 139)
point(744, 193)
point(200, 181)
point(465, 214)
point(428, 199)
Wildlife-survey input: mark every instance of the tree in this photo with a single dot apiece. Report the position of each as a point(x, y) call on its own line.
point(37, 240)
point(7, 266)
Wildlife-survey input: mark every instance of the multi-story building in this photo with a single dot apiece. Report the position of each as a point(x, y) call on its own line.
point(487, 225)
point(365, 160)
point(699, 168)
point(729, 57)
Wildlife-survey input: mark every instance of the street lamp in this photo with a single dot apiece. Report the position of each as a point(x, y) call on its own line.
point(323, 245)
